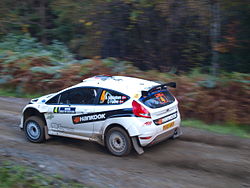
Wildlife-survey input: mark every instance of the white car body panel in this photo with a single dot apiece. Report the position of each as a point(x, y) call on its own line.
point(89, 122)
point(62, 122)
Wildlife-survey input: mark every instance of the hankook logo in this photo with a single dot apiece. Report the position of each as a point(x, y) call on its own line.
point(88, 118)
point(101, 116)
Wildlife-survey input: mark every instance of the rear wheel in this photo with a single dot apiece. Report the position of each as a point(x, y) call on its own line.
point(34, 129)
point(118, 142)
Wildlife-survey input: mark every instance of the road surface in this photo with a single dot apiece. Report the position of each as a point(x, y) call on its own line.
point(197, 159)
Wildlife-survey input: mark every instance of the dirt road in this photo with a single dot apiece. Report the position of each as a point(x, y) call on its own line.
point(197, 159)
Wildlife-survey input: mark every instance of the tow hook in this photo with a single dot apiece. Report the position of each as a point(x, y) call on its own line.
point(177, 132)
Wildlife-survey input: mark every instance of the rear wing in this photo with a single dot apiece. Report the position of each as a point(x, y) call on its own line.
point(159, 87)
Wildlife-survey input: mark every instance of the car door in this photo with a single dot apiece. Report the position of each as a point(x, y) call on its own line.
point(109, 104)
point(68, 112)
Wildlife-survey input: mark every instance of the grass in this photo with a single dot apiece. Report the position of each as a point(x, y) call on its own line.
point(22, 176)
point(230, 129)
point(11, 93)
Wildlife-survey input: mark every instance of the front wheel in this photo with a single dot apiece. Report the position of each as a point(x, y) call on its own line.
point(118, 142)
point(34, 129)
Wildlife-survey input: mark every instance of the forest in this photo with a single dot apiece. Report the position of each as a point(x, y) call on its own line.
point(167, 35)
point(203, 45)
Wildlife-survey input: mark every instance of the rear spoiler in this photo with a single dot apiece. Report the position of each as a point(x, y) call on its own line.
point(159, 87)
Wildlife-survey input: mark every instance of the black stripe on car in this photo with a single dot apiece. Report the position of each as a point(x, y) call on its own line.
point(100, 116)
point(166, 119)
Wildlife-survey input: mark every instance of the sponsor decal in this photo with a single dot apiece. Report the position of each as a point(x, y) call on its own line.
point(124, 97)
point(114, 99)
point(55, 125)
point(103, 96)
point(136, 96)
point(50, 116)
point(103, 77)
point(166, 118)
point(76, 119)
point(88, 118)
point(108, 98)
point(147, 123)
point(161, 98)
point(101, 116)
point(59, 127)
point(64, 110)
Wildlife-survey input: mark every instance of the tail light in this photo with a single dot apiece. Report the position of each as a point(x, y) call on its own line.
point(139, 110)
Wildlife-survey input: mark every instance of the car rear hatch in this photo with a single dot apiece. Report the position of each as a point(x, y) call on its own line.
point(161, 104)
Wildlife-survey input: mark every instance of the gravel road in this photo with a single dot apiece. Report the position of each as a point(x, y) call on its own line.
point(197, 159)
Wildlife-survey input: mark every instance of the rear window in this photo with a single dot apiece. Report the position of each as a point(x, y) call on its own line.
point(158, 99)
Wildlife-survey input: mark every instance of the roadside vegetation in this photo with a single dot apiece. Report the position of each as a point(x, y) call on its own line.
point(28, 68)
point(18, 176)
point(154, 34)
point(12, 93)
point(228, 129)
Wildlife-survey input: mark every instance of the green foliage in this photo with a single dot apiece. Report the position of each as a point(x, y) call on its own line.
point(24, 46)
point(20, 43)
point(21, 176)
point(221, 99)
point(229, 128)
point(45, 70)
point(60, 51)
point(12, 93)
point(154, 34)
point(5, 79)
point(210, 83)
point(235, 43)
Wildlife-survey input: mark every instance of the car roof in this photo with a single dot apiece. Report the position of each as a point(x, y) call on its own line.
point(124, 84)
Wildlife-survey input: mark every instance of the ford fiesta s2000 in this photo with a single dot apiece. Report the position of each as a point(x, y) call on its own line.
point(118, 112)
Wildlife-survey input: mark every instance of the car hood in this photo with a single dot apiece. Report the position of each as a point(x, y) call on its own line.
point(42, 99)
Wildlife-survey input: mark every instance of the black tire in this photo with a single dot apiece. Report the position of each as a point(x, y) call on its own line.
point(118, 142)
point(34, 129)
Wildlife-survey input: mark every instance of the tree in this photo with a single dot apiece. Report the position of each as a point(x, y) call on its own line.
point(215, 34)
point(155, 34)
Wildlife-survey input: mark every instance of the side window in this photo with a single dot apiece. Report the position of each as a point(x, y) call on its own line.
point(112, 97)
point(78, 96)
point(53, 100)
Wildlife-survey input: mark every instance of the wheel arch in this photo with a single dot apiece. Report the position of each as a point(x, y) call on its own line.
point(28, 112)
point(110, 126)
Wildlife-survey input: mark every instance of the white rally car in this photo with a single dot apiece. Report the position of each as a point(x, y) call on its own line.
point(116, 111)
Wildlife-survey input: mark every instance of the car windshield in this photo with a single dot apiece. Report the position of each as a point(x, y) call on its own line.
point(158, 99)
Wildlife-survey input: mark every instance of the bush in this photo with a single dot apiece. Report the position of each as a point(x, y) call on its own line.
point(44, 69)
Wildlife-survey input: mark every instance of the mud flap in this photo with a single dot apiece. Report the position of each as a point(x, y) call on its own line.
point(47, 136)
point(138, 148)
point(177, 133)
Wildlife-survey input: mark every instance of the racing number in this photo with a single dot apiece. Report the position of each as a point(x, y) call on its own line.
point(161, 98)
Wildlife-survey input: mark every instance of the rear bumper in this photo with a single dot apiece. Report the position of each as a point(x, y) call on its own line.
point(157, 134)
point(174, 133)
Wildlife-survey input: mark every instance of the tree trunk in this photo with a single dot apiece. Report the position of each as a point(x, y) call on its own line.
point(215, 34)
point(43, 23)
